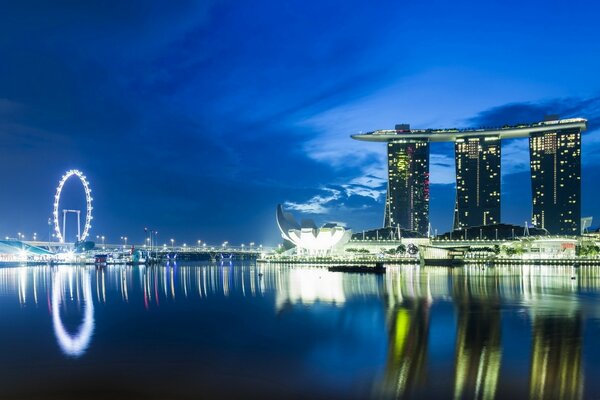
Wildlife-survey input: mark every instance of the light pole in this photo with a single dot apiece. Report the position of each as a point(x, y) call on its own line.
point(103, 246)
point(199, 241)
point(172, 244)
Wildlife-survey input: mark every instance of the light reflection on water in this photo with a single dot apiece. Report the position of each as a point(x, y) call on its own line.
point(462, 333)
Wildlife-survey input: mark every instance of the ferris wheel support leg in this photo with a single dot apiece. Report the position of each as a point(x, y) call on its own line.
point(64, 235)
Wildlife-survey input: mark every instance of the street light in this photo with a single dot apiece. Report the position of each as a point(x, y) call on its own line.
point(173, 244)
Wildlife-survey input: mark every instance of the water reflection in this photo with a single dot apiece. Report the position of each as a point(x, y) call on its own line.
point(556, 358)
point(478, 347)
point(554, 301)
point(405, 372)
point(72, 285)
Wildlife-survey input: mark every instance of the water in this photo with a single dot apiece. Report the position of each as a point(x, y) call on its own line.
point(212, 331)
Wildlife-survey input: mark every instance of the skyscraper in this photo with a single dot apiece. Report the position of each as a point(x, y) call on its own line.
point(556, 180)
point(555, 150)
point(407, 203)
point(477, 181)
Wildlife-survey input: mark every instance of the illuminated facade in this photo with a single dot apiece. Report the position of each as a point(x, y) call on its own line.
point(407, 202)
point(308, 239)
point(556, 180)
point(477, 181)
point(555, 150)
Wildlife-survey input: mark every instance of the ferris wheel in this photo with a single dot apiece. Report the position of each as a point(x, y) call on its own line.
point(88, 207)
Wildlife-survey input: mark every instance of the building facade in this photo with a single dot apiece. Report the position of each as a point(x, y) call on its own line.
point(407, 202)
point(555, 156)
point(477, 181)
point(556, 180)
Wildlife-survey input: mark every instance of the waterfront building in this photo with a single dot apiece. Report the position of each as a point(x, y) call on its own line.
point(555, 151)
point(477, 181)
point(556, 180)
point(492, 232)
point(308, 239)
point(407, 202)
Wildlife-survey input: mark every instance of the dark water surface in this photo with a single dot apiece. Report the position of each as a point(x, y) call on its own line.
point(210, 331)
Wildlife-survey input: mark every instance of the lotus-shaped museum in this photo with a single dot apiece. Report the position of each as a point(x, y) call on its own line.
point(309, 239)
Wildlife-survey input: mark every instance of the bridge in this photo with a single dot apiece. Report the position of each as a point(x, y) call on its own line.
point(183, 251)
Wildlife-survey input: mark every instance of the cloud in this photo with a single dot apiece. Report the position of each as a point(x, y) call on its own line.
point(515, 156)
point(515, 152)
point(316, 204)
point(359, 193)
point(442, 169)
point(528, 112)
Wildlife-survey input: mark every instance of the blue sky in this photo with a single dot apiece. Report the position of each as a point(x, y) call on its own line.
point(197, 118)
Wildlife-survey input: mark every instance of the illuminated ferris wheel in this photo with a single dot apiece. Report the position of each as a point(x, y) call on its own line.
point(88, 207)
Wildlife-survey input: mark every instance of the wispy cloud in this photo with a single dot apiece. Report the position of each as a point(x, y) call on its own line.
point(318, 204)
point(442, 169)
point(515, 153)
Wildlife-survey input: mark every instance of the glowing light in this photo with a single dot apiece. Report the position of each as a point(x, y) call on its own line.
point(88, 206)
point(307, 286)
point(72, 344)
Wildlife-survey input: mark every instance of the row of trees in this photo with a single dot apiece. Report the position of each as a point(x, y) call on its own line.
point(588, 249)
point(402, 249)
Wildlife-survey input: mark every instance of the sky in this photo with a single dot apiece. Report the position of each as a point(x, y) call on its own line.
point(196, 118)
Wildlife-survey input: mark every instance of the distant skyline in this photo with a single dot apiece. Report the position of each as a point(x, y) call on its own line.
point(197, 118)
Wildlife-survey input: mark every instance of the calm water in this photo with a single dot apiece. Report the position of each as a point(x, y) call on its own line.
point(212, 331)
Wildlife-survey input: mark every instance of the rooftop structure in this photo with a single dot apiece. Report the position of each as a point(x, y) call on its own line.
point(451, 134)
point(309, 239)
point(555, 158)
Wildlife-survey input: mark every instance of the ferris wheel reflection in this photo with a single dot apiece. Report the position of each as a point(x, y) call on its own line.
point(69, 285)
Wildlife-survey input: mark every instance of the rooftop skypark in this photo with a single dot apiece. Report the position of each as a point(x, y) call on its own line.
point(451, 134)
point(555, 160)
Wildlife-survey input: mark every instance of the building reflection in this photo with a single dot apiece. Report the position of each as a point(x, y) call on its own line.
point(406, 366)
point(556, 357)
point(478, 338)
point(410, 292)
point(547, 295)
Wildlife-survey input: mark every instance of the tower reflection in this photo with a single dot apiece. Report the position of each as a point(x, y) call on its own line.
point(475, 301)
point(556, 357)
point(478, 340)
point(409, 294)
